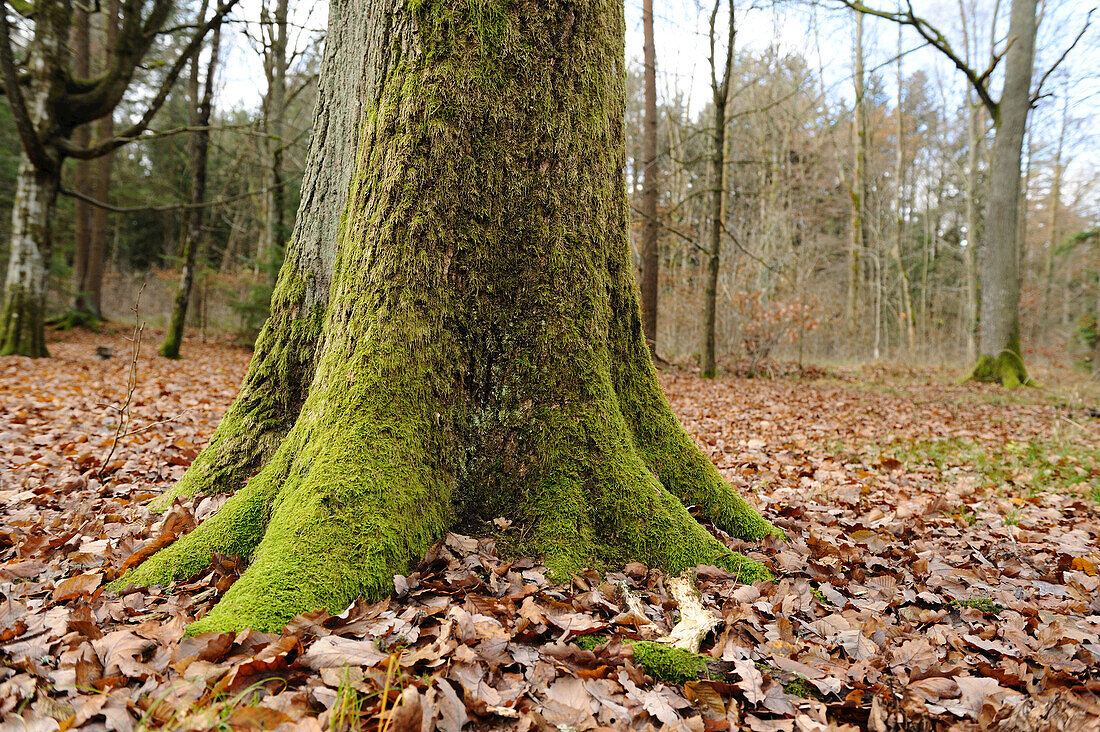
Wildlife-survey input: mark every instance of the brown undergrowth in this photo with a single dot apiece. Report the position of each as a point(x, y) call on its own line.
point(941, 572)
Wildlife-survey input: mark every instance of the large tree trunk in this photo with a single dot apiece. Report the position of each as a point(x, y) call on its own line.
point(650, 255)
point(999, 355)
point(202, 107)
point(481, 353)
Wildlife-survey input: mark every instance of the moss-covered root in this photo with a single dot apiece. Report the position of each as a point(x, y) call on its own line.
point(236, 529)
point(661, 661)
point(1006, 369)
point(618, 512)
point(359, 515)
point(668, 451)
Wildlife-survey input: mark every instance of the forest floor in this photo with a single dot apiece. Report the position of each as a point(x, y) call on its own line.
point(941, 572)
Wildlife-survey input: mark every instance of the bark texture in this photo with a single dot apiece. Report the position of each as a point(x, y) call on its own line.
point(999, 354)
point(482, 352)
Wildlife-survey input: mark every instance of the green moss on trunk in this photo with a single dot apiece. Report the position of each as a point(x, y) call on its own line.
point(1006, 369)
point(22, 331)
point(480, 354)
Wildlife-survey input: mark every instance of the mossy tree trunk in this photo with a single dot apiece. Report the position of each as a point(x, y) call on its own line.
point(481, 352)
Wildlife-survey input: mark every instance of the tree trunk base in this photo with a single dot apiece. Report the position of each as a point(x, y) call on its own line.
point(22, 331)
point(479, 354)
point(364, 484)
point(74, 319)
point(1007, 370)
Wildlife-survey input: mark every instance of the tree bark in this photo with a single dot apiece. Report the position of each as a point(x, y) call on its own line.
point(999, 354)
point(650, 254)
point(202, 107)
point(482, 351)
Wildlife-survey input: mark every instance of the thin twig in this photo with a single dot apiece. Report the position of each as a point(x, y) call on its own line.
point(131, 384)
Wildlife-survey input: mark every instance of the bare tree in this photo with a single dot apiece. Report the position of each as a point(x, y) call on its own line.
point(48, 102)
point(720, 90)
point(200, 111)
point(999, 352)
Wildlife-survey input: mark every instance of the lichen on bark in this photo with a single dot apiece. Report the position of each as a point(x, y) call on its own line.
point(480, 351)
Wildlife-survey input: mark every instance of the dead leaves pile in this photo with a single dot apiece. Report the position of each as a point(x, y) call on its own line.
point(890, 611)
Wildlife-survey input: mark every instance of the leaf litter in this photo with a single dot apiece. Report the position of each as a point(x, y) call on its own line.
point(915, 591)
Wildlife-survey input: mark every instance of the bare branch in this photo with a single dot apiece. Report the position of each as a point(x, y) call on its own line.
point(135, 130)
point(1038, 94)
point(168, 206)
point(935, 38)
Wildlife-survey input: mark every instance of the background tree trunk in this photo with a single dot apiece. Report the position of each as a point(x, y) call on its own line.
point(22, 330)
point(22, 317)
point(857, 242)
point(650, 253)
point(82, 175)
point(1000, 358)
point(101, 217)
point(899, 218)
point(273, 233)
point(201, 109)
point(973, 227)
point(483, 353)
point(720, 98)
